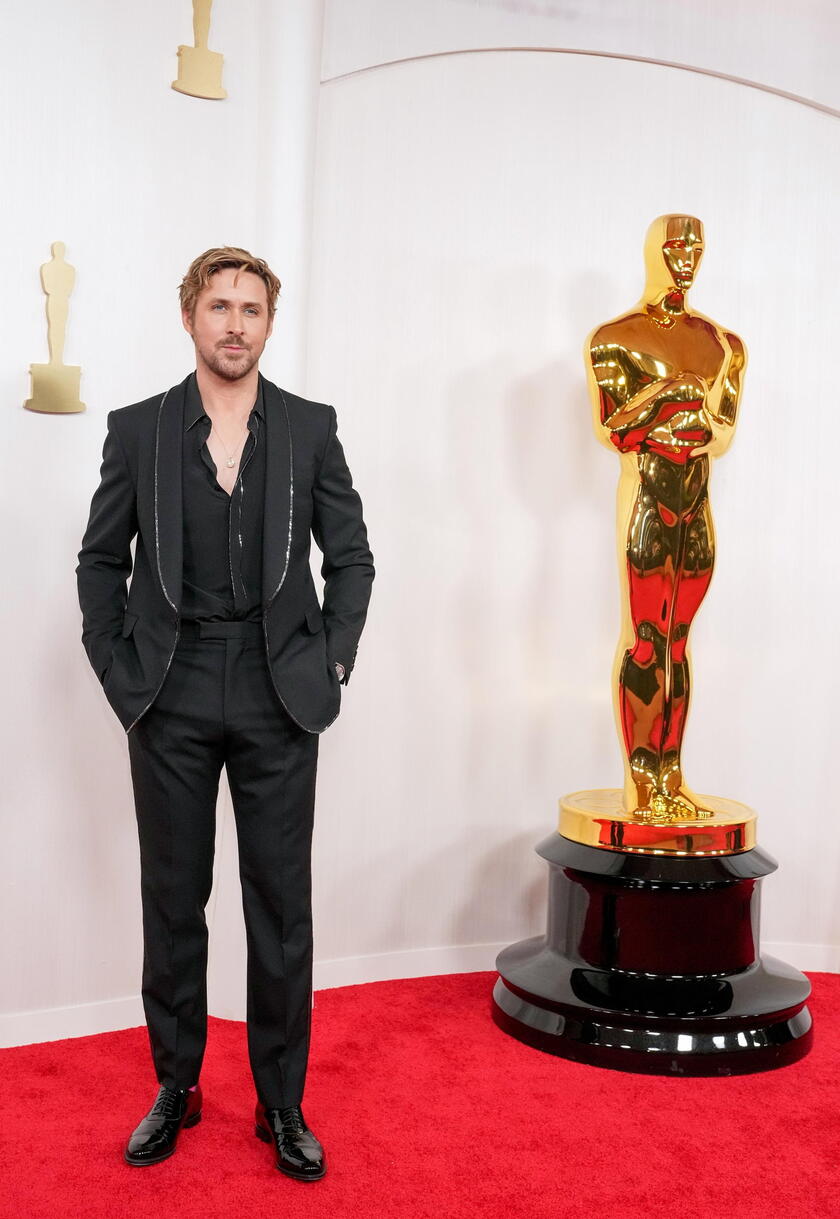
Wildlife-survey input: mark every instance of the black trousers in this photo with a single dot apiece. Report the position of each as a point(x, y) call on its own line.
point(218, 708)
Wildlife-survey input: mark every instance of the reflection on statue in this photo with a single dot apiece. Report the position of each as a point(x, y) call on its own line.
point(665, 383)
point(55, 386)
point(199, 69)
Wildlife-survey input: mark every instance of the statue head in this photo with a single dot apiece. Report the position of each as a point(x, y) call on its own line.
point(57, 249)
point(673, 249)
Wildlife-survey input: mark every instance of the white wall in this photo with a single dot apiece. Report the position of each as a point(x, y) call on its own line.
point(476, 216)
point(473, 217)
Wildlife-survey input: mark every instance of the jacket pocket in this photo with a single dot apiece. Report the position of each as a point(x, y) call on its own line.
point(129, 623)
point(314, 620)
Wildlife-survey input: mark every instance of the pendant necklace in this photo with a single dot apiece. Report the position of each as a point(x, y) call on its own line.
point(231, 458)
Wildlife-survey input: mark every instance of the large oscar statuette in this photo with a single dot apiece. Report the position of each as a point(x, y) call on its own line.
point(651, 958)
point(55, 386)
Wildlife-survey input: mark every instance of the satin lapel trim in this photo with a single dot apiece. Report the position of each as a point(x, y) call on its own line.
point(169, 520)
point(279, 492)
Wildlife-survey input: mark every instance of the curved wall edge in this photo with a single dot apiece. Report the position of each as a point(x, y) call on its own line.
point(760, 42)
point(535, 50)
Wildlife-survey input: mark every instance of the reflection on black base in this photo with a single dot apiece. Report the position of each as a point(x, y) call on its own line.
point(652, 964)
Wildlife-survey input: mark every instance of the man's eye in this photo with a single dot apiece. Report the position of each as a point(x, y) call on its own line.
point(218, 305)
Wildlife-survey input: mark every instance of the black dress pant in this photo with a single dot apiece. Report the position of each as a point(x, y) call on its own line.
point(217, 707)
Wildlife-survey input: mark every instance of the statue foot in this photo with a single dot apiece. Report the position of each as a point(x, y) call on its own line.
point(672, 808)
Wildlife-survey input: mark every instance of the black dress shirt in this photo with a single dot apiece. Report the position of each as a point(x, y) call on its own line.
point(223, 534)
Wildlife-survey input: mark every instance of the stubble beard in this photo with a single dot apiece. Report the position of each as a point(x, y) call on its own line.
point(230, 368)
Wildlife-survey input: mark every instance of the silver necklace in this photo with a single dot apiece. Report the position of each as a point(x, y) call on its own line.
point(231, 458)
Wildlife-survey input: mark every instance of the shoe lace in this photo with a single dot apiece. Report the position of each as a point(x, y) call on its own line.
point(292, 1119)
point(166, 1103)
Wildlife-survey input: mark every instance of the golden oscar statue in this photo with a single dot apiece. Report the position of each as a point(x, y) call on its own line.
point(651, 960)
point(665, 383)
point(55, 386)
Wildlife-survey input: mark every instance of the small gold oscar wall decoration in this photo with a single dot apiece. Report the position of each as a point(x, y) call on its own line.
point(199, 69)
point(55, 386)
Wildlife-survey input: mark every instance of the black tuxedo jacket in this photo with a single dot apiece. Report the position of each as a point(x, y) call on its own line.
point(130, 633)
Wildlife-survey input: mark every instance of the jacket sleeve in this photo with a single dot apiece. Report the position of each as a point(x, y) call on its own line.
point(347, 567)
point(105, 558)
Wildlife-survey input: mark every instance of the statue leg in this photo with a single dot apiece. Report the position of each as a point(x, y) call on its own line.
point(201, 22)
point(56, 324)
point(692, 582)
point(642, 669)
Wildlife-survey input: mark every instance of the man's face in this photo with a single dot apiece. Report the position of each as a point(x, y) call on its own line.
point(231, 323)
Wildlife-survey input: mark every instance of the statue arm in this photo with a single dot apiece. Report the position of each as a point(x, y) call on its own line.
point(646, 406)
point(724, 397)
point(626, 395)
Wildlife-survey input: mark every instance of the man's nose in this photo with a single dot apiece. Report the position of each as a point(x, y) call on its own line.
point(235, 324)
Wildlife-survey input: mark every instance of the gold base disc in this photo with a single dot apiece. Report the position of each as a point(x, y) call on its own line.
point(599, 819)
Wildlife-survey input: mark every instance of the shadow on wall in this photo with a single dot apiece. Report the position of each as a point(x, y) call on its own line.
point(500, 487)
point(530, 489)
point(489, 902)
point(538, 498)
point(497, 872)
point(92, 856)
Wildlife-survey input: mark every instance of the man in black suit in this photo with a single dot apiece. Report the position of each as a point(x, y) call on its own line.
point(220, 655)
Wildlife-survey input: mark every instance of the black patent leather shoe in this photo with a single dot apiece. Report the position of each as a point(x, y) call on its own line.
point(299, 1154)
point(157, 1135)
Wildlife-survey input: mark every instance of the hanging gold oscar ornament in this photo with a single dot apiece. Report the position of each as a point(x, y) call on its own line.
point(199, 69)
point(55, 386)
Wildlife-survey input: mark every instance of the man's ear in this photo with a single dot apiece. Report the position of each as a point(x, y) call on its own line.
point(270, 328)
point(186, 319)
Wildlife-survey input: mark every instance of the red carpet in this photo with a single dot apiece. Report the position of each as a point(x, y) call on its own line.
point(427, 1109)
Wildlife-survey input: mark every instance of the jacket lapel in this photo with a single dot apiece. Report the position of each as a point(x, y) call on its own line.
point(169, 521)
point(279, 492)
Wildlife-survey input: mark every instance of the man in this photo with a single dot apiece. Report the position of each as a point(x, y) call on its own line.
point(219, 654)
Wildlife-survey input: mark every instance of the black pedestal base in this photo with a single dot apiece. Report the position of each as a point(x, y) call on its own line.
point(651, 964)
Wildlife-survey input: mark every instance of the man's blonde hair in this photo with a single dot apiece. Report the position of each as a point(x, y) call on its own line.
point(207, 264)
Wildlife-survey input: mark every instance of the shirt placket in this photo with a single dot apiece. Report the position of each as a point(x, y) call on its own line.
point(235, 509)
